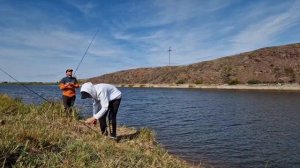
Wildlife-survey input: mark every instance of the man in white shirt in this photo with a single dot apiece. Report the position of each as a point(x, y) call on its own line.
point(107, 99)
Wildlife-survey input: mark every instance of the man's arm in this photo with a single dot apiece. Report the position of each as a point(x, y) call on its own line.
point(96, 106)
point(76, 85)
point(63, 86)
point(104, 105)
point(96, 113)
point(93, 120)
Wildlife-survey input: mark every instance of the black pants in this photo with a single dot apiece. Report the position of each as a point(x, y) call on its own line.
point(68, 101)
point(112, 117)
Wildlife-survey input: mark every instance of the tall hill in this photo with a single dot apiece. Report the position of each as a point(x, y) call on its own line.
point(280, 64)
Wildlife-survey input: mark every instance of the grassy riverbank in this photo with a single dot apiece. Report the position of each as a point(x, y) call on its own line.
point(43, 136)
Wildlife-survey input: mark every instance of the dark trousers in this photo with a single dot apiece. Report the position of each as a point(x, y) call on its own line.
point(112, 117)
point(68, 101)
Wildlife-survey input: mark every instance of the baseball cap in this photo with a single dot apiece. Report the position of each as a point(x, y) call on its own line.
point(69, 70)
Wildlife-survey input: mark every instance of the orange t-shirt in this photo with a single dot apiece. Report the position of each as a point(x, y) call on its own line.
point(68, 85)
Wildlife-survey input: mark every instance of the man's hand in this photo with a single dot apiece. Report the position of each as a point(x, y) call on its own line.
point(70, 84)
point(91, 120)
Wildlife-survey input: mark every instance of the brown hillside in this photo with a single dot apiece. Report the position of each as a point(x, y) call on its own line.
point(267, 65)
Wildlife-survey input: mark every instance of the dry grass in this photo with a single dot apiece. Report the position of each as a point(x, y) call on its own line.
point(43, 136)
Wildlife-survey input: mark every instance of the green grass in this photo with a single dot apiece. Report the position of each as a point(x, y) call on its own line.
point(44, 136)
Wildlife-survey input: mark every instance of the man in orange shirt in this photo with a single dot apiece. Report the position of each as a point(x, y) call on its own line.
point(68, 85)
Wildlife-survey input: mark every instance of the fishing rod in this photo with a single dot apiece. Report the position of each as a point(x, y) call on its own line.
point(74, 73)
point(86, 51)
point(24, 85)
point(42, 97)
point(109, 121)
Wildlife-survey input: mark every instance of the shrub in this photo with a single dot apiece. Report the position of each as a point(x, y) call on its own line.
point(233, 82)
point(290, 72)
point(198, 82)
point(180, 81)
point(254, 81)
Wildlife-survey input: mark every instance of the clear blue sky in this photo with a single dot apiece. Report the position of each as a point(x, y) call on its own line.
point(39, 39)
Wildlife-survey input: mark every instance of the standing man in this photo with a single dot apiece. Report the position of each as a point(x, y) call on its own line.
point(68, 85)
point(107, 99)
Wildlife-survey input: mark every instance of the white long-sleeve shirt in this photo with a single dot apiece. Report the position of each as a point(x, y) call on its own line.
point(102, 95)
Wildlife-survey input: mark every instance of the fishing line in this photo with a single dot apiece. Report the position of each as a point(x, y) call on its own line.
point(109, 123)
point(24, 85)
point(86, 51)
point(74, 73)
point(38, 94)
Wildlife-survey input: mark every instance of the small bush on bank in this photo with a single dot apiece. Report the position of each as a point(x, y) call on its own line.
point(234, 82)
point(180, 81)
point(199, 82)
point(252, 82)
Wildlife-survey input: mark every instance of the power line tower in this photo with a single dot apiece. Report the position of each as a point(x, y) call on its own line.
point(169, 55)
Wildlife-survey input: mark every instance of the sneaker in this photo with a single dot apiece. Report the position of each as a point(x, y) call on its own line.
point(113, 137)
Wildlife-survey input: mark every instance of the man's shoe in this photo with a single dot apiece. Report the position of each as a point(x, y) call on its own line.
point(113, 137)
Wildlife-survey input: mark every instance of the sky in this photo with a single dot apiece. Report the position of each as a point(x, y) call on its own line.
point(40, 39)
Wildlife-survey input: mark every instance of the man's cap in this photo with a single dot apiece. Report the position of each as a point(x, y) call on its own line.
point(69, 70)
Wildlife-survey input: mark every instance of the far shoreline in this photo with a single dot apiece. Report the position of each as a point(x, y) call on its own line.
point(266, 87)
point(294, 87)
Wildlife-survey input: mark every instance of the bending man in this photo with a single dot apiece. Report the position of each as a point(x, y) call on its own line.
point(107, 99)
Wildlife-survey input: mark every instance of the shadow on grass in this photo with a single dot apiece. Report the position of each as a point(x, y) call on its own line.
point(127, 137)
